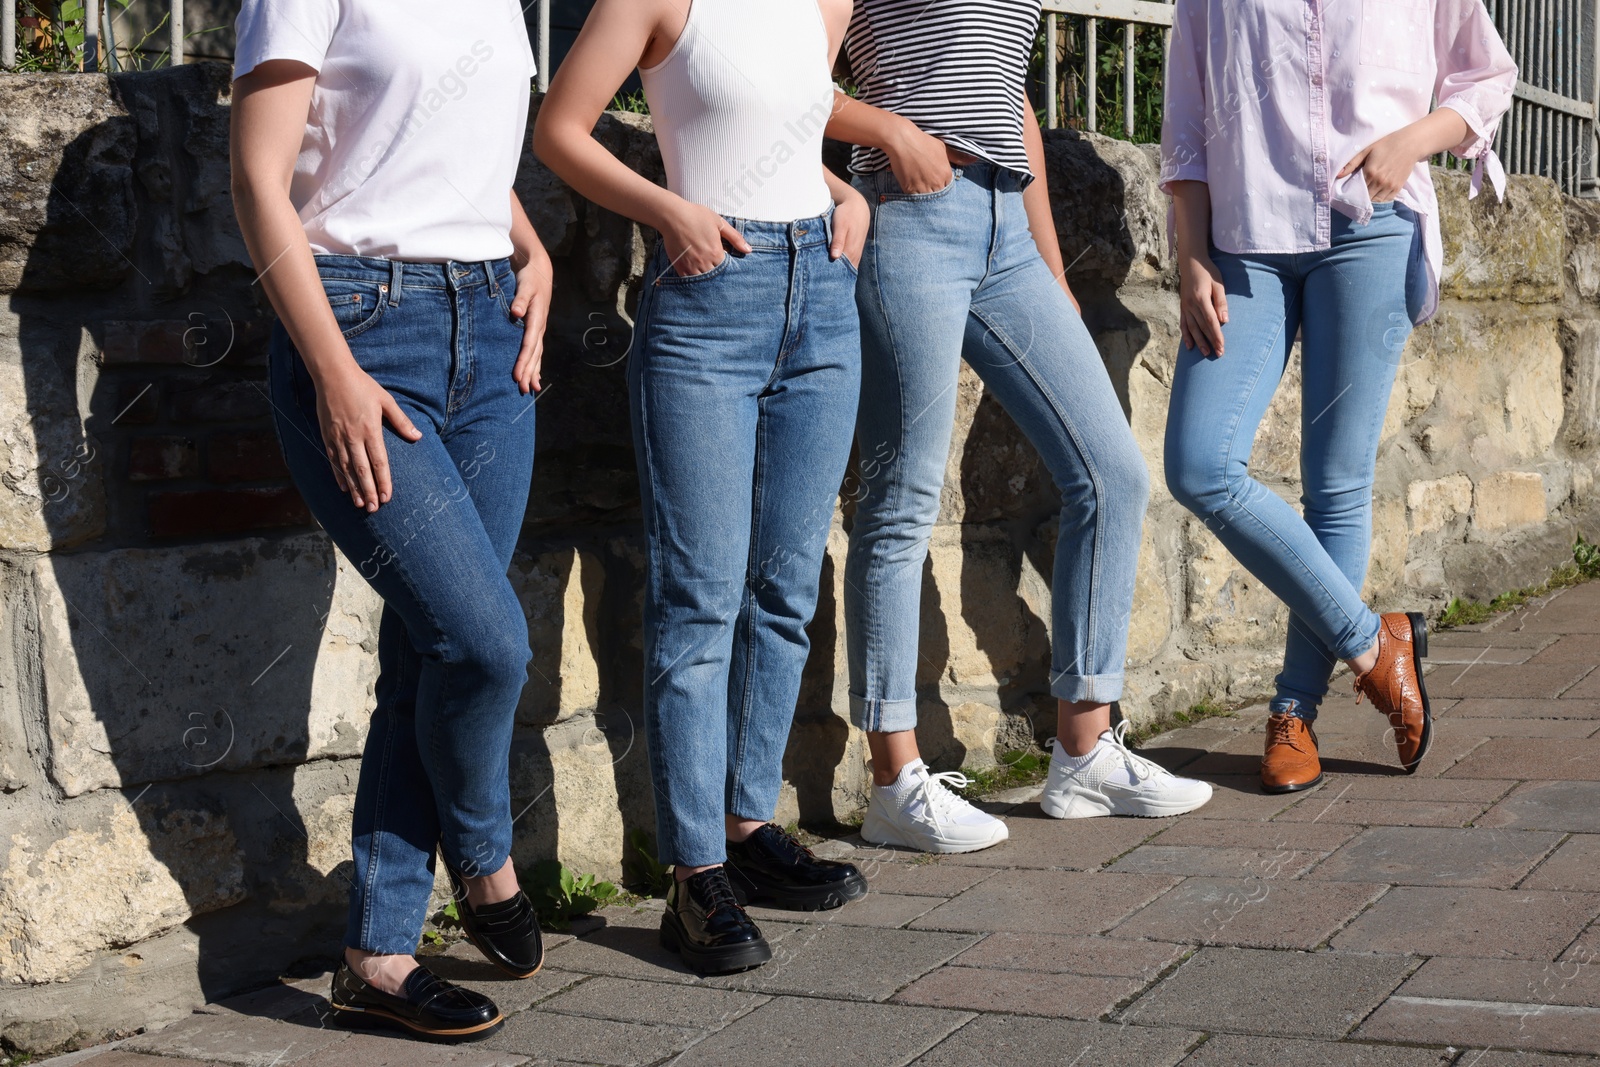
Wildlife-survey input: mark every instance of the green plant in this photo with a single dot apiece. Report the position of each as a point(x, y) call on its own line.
point(559, 895)
point(1017, 767)
point(634, 102)
point(1585, 567)
point(446, 918)
point(642, 867)
point(50, 37)
point(1205, 709)
point(1110, 65)
point(1586, 558)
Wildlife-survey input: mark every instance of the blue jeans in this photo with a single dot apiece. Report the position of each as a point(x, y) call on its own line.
point(954, 275)
point(743, 390)
point(453, 640)
point(1354, 304)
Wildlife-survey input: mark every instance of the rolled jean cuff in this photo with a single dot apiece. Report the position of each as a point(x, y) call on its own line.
point(1300, 706)
point(1365, 633)
point(1074, 688)
point(883, 716)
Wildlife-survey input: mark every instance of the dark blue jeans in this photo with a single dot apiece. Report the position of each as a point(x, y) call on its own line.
point(453, 642)
point(743, 388)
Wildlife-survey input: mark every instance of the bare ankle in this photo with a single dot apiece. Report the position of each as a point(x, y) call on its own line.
point(493, 888)
point(891, 752)
point(385, 972)
point(1365, 662)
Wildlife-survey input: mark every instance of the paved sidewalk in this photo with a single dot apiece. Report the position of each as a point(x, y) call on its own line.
point(1443, 918)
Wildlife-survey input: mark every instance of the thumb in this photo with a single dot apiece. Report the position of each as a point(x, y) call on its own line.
point(1355, 162)
point(397, 419)
point(1219, 300)
point(734, 238)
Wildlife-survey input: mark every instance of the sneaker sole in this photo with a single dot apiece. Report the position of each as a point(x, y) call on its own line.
point(714, 961)
point(1058, 809)
point(366, 1018)
point(880, 836)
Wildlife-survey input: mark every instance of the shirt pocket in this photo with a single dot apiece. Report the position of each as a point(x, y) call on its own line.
point(1397, 35)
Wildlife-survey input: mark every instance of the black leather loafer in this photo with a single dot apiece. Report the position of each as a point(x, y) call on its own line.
point(705, 925)
point(507, 932)
point(427, 1005)
point(770, 865)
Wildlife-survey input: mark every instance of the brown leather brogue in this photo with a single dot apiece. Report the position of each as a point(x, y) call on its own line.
point(1394, 684)
point(1290, 763)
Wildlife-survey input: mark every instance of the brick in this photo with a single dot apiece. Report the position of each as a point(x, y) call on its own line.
point(1573, 611)
point(848, 963)
point(1588, 689)
point(1426, 855)
point(1386, 812)
point(1504, 1058)
point(245, 457)
point(221, 402)
point(1527, 709)
point(1325, 835)
point(137, 403)
point(235, 1039)
point(144, 342)
point(1499, 637)
point(1574, 648)
point(1518, 1026)
point(935, 879)
point(1243, 991)
point(1575, 865)
point(220, 512)
point(1525, 726)
point(654, 1003)
point(1506, 981)
point(1067, 954)
point(1493, 923)
point(162, 457)
point(1514, 757)
point(1213, 862)
point(547, 1036)
point(1046, 902)
point(804, 1032)
point(1239, 797)
point(1528, 680)
point(875, 909)
point(1065, 996)
point(1566, 806)
point(1038, 841)
point(116, 1058)
point(394, 1050)
point(1444, 656)
point(1254, 912)
point(1404, 787)
point(1014, 1041)
point(1234, 1050)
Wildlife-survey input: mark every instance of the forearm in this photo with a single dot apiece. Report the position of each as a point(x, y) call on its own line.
point(526, 247)
point(838, 189)
point(597, 175)
point(856, 123)
point(1036, 197)
point(1191, 203)
point(1438, 131)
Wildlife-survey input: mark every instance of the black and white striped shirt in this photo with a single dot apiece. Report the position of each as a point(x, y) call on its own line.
point(956, 68)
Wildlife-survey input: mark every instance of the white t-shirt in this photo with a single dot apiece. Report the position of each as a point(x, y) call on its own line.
point(416, 125)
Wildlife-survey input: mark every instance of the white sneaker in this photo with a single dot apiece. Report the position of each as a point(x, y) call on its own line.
point(920, 810)
point(1112, 779)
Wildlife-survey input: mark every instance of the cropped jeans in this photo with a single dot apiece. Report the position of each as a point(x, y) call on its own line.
point(453, 640)
point(952, 275)
point(1353, 303)
point(743, 391)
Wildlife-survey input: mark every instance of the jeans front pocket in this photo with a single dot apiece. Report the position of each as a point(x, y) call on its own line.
point(357, 306)
point(897, 195)
point(1397, 35)
point(670, 277)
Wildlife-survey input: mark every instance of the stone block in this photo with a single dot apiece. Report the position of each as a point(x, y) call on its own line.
point(1435, 503)
point(1019, 1041)
point(806, 1032)
point(1491, 923)
point(560, 593)
point(1040, 842)
point(974, 630)
point(1257, 912)
point(1515, 757)
point(849, 963)
point(568, 789)
point(1575, 865)
point(1153, 603)
point(1506, 1026)
point(1507, 500)
point(992, 472)
point(936, 879)
point(1110, 215)
point(222, 513)
point(1564, 806)
point(161, 457)
point(1410, 855)
point(1512, 250)
point(546, 1036)
point(1024, 992)
point(1224, 601)
point(1066, 954)
point(1046, 902)
point(654, 1004)
point(1212, 862)
point(1580, 373)
point(252, 653)
point(1234, 1050)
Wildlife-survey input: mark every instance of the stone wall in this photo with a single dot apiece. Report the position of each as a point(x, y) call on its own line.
point(186, 666)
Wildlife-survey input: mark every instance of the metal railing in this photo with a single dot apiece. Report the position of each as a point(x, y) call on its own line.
point(1132, 14)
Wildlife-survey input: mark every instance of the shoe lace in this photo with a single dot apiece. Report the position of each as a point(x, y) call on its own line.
point(1281, 731)
point(789, 839)
point(1142, 768)
point(719, 894)
point(940, 794)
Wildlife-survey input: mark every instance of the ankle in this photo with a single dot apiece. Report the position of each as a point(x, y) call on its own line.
point(737, 829)
point(493, 888)
point(1365, 662)
point(385, 972)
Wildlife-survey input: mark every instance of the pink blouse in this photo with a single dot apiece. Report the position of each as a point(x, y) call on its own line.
point(1266, 100)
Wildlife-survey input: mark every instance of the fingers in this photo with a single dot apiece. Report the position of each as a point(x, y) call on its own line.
point(1354, 164)
point(360, 473)
point(1219, 301)
point(529, 358)
point(378, 462)
point(1211, 326)
point(733, 237)
point(397, 420)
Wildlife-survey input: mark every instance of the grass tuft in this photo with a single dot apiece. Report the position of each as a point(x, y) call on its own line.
point(1585, 567)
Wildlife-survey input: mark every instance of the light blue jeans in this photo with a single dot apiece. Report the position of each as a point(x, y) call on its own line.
point(1353, 304)
point(743, 391)
point(453, 640)
point(954, 275)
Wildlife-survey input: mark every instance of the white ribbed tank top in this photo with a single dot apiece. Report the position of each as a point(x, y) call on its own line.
point(739, 106)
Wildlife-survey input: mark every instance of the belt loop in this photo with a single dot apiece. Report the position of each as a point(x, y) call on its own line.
point(397, 272)
point(488, 274)
point(827, 224)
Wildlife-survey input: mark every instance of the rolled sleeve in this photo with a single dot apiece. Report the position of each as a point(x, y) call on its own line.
point(1475, 74)
point(298, 30)
point(1183, 131)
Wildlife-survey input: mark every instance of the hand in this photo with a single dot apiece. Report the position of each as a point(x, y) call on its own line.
point(532, 306)
point(1386, 164)
point(851, 221)
point(351, 409)
point(1202, 304)
point(695, 237)
point(920, 161)
point(1065, 288)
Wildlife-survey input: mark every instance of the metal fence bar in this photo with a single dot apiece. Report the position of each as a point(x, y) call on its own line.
point(1091, 65)
point(175, 34)
point(1127, 81)
point(8, 35)
point(1052, 84)
point(91, 36)
point(542, 60)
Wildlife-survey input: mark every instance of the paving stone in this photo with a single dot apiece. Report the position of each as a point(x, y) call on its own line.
point(1323, 835)
point(1443, 656)
point(1046, 902)
point(1411, 787)
point(1425, 855)
point(1522, 727)
point(1256, 912)
point(1038, 841)
point(1066, 954)
point(1588, 689)
point(239, 1039)
point(1526, 709)
point(1574, 648)
point(1209, 861)
point(848, 962)
point(1585, 949)
point(1576, 611)
point(546, 1036)
point(1300, 994)
point(1234, 1050)
point(1532, 758)
point(1065, 996)
point(1506, 981)
point(1387, 812)
point(634, 951)
point(1567, 806)
point(1535, 680)
point(1465, 1022)
point(1489, 639)
point(1495, 923)
point(305, 998)
point(801, 1032)
point(1370, 751)
point(875, 909)
point(114, 1058)
point(697, 1007)
point(1016, 1041)
point(935, 879)
point(1575, 865)
point(1239, 797)
point(1397, 801)
point(1505, 1058)
point(379, 1049)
